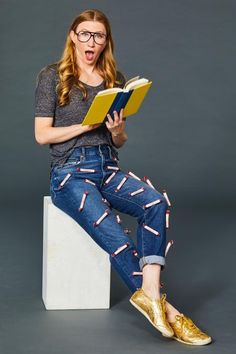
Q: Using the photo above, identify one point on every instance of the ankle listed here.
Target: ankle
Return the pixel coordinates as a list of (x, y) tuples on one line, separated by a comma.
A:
[(171, 312), (152, 292), (170, 317)]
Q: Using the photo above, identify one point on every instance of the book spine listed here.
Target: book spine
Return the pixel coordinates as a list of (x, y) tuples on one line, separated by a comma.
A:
[(115, 103), (125, 100), (120, 102)]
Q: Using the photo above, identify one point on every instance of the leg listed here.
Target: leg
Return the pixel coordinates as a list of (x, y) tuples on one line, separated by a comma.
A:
[(85, 204), (151, 245), (159, 312), (149, 207)]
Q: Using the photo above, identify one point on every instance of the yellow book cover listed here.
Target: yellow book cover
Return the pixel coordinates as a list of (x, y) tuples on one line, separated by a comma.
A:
[(136, 99), (114, 99)]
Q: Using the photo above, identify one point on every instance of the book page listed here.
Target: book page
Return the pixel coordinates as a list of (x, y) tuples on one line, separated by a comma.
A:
[(131, 80), (136, 83), (109, 91)]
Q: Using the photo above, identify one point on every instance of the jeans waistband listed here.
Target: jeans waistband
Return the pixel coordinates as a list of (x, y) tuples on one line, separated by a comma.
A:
[(96, 150)]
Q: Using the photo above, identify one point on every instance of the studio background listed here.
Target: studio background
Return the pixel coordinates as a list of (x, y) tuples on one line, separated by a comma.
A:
[(183, 139)]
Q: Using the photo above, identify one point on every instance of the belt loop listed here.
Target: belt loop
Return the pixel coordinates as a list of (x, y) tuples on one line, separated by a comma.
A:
[(100, 150), (82, 155), (110, 154)]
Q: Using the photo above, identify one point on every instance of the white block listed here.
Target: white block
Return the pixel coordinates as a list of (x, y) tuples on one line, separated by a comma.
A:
[(76, 271)]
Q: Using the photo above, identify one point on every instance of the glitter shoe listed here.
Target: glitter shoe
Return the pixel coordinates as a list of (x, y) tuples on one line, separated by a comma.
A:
[(153, 310), (185, 331)]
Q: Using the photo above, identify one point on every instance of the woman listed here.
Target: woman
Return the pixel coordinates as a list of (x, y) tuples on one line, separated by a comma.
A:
[(86, 181)]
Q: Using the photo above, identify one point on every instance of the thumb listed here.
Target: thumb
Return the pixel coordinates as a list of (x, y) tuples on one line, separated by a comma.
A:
[(93, 126)]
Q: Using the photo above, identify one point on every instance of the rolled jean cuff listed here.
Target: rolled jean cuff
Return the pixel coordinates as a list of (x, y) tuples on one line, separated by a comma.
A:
[(152, 259)]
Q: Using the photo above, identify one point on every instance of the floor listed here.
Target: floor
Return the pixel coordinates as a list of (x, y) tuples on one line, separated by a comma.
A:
[(199, 280)]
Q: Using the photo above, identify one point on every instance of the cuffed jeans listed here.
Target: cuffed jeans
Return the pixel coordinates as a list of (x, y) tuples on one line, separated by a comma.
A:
[(89, 185)]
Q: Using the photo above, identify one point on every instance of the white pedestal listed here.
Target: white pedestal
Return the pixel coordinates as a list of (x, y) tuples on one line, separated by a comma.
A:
[(76, 271)]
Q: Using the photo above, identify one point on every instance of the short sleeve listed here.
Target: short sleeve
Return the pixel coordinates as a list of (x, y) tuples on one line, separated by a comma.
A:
[(45, 93), (120, 77)]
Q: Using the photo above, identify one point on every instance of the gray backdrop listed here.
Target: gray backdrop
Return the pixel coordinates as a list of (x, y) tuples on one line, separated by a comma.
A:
[(183, 135), (182, 138)]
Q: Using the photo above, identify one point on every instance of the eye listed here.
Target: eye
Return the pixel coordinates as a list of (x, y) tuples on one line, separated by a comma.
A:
[(84, 34), (100, 35)]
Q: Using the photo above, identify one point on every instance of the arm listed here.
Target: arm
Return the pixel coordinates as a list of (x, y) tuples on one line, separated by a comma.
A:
[(118, 134), (45, 133), (119, 139), (117, 128)]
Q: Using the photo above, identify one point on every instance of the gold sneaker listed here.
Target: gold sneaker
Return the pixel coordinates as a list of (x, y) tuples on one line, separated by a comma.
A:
[(154, 310), (185, 331)]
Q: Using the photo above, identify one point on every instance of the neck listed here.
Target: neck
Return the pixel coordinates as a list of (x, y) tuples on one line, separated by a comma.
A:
[(87, 69)]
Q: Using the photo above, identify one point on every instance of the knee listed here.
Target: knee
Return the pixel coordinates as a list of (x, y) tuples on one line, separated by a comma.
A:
[(163, 204), (157, 201)]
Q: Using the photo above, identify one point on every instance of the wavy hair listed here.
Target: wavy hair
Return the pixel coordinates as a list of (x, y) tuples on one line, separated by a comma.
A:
[(68, 69)]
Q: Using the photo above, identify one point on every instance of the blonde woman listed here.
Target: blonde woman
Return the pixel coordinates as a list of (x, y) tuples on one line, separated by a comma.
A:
[(86, 181)]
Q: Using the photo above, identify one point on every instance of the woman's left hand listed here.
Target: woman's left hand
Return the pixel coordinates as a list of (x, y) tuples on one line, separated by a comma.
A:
[(116, 126)]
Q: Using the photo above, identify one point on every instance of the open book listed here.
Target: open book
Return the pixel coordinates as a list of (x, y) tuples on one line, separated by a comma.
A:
[(114, 99)]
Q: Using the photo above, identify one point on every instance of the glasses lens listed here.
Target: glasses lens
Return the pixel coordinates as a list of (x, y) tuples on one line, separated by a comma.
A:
[(99, 38), (83, 36)]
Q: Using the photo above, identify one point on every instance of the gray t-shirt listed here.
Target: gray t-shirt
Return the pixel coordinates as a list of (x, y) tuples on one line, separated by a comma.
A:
[(46, 105)]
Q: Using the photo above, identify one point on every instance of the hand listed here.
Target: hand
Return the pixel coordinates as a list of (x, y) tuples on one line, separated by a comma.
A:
[(89, 127), (116, 126)]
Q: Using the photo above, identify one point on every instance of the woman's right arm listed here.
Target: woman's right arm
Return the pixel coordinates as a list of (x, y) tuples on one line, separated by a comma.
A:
[(45, 105), (45, 133)]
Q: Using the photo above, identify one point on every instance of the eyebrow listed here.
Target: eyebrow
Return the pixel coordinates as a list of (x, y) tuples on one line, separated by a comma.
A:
[(85, 29)]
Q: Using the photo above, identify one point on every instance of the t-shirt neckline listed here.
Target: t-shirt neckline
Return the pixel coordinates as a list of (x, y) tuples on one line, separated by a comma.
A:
[(91, 85)]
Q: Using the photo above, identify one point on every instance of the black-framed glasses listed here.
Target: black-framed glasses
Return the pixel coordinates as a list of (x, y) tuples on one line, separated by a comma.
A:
[(98, 37)]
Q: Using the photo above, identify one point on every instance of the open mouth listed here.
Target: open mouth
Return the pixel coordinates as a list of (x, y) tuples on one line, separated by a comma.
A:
[(89, 54)]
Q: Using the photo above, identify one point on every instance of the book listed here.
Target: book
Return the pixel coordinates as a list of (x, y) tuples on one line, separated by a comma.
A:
[(130, 97)]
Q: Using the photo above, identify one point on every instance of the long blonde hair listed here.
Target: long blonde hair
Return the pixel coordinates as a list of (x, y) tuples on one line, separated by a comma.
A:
[(69, 71)]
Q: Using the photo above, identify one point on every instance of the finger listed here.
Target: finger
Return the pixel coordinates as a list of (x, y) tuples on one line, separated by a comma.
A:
[(110, 120), (121, 114), (116, 117), (121, 121)]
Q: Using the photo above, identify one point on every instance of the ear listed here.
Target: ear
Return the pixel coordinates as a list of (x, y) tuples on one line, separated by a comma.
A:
[(73, 36)]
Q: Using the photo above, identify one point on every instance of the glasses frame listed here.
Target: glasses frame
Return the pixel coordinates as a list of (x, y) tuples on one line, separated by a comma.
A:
[(92, 34)]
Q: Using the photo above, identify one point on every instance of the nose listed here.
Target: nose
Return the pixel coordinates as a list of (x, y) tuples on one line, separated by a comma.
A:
[(91, 41)]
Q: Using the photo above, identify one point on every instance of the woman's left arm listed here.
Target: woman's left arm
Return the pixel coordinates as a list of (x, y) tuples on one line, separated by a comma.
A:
[(117, 128)]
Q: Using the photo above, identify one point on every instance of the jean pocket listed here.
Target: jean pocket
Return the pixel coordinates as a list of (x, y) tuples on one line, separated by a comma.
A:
[(60, 181), (68, 164)]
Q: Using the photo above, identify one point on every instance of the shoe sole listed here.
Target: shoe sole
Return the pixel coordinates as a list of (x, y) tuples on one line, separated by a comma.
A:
[(207, 341), (165, 334)]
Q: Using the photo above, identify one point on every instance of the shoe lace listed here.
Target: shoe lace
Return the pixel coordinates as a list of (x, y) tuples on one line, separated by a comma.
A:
[(163, 299), (189, 324), (186, 322)]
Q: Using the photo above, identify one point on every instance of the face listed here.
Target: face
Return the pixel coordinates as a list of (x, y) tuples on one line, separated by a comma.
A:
[(88, 52)]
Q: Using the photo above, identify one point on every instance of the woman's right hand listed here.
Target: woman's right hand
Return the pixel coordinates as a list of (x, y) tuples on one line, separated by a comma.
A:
[(87, 128)]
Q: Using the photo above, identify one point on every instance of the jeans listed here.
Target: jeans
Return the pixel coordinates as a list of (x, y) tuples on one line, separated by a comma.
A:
[(89, 185)]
